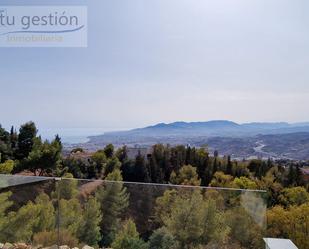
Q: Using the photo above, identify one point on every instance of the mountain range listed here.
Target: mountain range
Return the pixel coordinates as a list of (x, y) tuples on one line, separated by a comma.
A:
[(211, 128), (276, 140)]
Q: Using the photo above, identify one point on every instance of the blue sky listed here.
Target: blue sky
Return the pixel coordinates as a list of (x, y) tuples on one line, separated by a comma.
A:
[(151, 61)]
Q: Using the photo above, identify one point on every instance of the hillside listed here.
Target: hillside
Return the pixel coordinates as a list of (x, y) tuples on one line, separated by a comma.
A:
[(276, 140), (209, 128)]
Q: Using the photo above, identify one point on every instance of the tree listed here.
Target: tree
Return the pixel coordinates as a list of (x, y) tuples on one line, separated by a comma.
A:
[(128, 237), (82, 222), (20, 225), (75, 166), (256, 166), (202, 165), (4, 135), (5, 205), (27, 133), (70, 211), (290, 223), (31, 218), (292, 176), (178, 157), (99, 158), (278, 222), (89, 231), (193, 226), (215, 166), (44, 157), (161, 159), (221, 180), (113, 199), (7, 167), (109, 150), (5, 146), (58, 141), (244, 183), (187, 176), (299, 223), (229, 166), (141, 172), (271, 183), (155, 171), (162, 239), (293, 196), (122, 154), (299, 176), (66, 188), (13, 138), (164, 205), (46, 214), (244, 228), (215, 226), (70, 216), (112, 164)]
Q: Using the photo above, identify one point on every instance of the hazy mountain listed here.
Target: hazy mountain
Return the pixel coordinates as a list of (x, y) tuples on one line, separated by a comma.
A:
[(276, 140), (209, 128)]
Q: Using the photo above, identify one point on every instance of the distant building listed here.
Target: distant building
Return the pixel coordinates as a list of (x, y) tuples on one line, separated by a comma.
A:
[(279, 244)]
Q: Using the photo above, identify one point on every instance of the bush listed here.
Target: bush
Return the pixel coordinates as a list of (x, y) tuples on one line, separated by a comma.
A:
[(7, 167), (51, 238)]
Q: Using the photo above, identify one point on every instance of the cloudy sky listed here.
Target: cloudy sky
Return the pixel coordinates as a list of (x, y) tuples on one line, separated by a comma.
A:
[(151, 61)]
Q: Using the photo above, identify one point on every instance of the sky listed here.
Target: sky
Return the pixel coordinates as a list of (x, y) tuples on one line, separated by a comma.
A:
[(152, 61)]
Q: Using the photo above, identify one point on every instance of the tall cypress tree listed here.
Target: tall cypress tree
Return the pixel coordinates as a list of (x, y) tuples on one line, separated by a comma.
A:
[(229, 166)]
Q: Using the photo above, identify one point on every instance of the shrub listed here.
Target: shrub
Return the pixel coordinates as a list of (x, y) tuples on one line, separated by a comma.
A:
[(51, 238)]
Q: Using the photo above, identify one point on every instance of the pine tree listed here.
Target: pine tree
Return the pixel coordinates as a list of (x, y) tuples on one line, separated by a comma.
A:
[(202, 161), (292, 175), (122, 154), (114, 200), (109, 150), (5, 146), (298, 176), (128, 238), (27, 133), (155, 172), (141, 170), (89, 231)]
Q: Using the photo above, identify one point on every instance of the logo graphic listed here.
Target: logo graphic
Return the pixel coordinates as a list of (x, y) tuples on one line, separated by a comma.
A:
[(43, 26)]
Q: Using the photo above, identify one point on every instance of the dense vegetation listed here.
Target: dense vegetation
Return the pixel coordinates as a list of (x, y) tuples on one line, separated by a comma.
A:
[(213, 216)]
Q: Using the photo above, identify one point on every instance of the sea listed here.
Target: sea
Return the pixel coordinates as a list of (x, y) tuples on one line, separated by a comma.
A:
[(71, 135)]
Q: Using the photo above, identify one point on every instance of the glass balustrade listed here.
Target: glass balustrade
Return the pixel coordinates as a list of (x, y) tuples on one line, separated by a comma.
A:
[(41, 212)]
